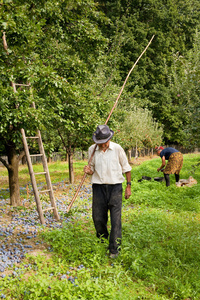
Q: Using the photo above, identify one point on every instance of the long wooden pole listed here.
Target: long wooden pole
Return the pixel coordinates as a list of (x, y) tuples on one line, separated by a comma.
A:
[(84, 176)]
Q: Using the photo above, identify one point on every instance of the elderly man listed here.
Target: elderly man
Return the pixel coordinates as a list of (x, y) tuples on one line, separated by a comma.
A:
[(174, 165), (108, 164)]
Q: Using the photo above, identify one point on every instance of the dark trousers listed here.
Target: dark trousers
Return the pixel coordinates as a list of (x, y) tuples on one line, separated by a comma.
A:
[(108, 197), (168, 180)]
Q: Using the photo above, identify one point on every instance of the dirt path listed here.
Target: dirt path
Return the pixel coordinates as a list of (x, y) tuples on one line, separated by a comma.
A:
[(20, 227)]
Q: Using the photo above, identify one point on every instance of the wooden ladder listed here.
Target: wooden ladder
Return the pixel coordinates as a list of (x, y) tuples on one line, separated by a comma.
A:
[(46, 173), (49, 189)]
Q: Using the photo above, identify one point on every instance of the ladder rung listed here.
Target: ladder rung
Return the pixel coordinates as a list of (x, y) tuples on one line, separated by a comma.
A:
[(36, 154), (50, 208), (32, 137), (40, 173), (44, 191)]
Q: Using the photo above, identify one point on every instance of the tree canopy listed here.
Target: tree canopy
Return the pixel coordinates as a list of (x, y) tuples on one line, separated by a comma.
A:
[(139, 129), (73, 57), (174, 24), (52, 47)]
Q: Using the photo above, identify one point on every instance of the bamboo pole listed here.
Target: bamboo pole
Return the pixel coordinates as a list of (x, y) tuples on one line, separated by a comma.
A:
[(84, 176)]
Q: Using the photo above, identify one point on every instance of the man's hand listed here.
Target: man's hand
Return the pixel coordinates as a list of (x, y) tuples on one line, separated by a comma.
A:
[(128, 191), (158, 169), (88, 170)]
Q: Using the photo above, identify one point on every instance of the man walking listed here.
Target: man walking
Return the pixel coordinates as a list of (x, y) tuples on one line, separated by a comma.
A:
[(107, 167)]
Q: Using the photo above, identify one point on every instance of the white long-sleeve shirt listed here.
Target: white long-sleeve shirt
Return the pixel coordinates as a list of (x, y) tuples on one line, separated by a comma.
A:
[(109, 166)]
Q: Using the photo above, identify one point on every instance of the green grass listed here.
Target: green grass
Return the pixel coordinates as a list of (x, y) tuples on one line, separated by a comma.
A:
[(160, 254), (58, 172)]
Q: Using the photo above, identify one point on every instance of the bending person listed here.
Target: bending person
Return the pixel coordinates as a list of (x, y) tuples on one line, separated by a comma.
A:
[(174, 164)]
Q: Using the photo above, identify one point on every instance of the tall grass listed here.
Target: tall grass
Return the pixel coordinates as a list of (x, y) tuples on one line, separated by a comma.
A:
[(160, 254)]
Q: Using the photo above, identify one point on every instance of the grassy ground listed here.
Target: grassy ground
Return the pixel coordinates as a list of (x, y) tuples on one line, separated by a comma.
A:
[(58, 172), (160, 254)]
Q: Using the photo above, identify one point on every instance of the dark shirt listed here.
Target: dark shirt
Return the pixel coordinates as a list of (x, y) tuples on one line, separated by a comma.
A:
[(167, 152)]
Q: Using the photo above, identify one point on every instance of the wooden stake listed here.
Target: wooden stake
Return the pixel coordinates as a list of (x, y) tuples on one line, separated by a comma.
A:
[(84, 176)]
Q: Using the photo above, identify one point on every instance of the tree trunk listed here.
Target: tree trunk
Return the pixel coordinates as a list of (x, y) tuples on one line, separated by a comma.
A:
[(83, 155), (129, 155), (13, 166), (49, 159), (24, 160), (71, 169), (136, 152)]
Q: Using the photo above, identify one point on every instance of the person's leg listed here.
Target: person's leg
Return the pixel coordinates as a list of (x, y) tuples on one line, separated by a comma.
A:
[(167, 179), (100, 210), (177, 177), (115, 205)]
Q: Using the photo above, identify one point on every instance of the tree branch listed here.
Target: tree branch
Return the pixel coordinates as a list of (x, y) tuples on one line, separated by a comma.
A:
[(63, 141), (4, 42), (4, 162), (22, 153)]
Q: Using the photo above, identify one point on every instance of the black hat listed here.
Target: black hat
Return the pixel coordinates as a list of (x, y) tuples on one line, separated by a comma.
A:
[(102, 134)]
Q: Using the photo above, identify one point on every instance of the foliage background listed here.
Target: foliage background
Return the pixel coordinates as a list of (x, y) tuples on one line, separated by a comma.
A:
[(76, 56)]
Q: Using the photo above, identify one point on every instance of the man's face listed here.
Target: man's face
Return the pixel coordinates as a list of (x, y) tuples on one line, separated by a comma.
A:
[(104, 146)]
